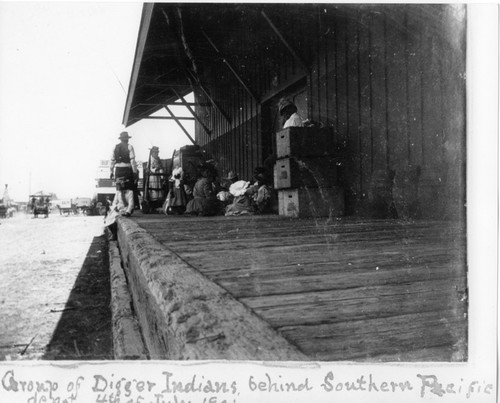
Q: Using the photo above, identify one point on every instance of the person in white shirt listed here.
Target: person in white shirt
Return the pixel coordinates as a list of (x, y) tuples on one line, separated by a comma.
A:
[(124, 169), (242, 201), (288, 111)]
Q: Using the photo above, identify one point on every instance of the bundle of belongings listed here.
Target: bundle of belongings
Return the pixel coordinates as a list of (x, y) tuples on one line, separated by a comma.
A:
[(242, 203)]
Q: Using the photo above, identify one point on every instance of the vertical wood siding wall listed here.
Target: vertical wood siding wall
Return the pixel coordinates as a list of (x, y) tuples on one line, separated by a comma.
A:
[(392, 84), (237, 147), (389, 79)]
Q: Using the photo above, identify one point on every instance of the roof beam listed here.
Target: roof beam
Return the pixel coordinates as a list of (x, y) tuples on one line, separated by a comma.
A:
[(285, 42), (207, 94), (180, 124), (165, 85), (224, 60), (189, 74), (177, 104), (154, 107), (169, 117), (188, 107), (153, 78)]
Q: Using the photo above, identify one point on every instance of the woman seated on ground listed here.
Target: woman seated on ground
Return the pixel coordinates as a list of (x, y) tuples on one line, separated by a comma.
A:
[(241, 193), (119, 207), (261, 192), (250, 199), (204, 200), (223, 196)]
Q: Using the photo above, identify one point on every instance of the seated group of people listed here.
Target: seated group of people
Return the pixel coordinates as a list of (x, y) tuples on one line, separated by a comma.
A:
[(210, 196), (244, 197)]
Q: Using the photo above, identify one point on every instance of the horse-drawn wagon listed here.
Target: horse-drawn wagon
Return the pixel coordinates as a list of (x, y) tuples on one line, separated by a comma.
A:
[(40, 205)]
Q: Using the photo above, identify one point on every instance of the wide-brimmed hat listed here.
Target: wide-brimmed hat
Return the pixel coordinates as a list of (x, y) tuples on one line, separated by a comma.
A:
[(124, 135), (232, 175), (283, 103)]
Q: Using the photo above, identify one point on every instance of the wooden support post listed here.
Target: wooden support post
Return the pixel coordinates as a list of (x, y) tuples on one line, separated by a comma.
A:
[(245, 86), (180, 124), (285, 42), (195, 116)]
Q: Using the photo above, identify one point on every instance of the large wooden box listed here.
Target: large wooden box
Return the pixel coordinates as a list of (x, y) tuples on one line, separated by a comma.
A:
[(306, 172), (311, 202), (305, 142), (188, 158)]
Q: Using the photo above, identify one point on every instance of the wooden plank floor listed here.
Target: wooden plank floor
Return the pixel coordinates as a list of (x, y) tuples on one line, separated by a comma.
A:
[(350, 289)]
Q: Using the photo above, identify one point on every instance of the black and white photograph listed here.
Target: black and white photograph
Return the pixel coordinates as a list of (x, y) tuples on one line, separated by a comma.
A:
[(239, 202)]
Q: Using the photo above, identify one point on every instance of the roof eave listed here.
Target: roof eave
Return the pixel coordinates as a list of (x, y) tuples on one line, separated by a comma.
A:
[(147, 12)]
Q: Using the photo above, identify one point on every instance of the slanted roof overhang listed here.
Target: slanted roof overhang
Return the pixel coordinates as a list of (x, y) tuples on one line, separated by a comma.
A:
[(158, 73), (178, 42), (139, 51)]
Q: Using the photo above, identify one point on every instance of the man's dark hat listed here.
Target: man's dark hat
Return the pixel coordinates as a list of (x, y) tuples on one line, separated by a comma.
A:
[(283, 104)]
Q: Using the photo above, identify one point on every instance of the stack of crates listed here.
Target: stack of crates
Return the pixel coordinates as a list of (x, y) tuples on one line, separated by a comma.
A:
[(307, 173)]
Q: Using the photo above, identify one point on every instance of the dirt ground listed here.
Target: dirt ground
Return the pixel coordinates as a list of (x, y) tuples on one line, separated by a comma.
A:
[(54, 288)]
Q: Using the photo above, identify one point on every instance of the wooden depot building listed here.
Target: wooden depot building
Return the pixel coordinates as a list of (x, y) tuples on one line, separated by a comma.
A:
[(376, 269)]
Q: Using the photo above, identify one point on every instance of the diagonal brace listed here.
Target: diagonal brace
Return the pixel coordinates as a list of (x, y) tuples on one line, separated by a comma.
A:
[(207, 94), (188, 106), (245, 86), (285, 42), (180, 124)]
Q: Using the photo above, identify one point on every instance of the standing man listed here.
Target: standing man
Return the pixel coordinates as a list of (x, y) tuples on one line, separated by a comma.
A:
[(123, 160)]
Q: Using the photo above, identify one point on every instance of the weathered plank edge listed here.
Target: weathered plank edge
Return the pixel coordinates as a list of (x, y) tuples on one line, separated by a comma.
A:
[(127, 339), (184, 315)]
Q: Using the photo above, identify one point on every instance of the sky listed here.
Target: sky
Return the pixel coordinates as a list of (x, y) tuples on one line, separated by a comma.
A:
[(64, 74)]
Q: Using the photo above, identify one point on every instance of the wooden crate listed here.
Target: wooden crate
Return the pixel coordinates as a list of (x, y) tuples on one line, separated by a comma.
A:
[(311, 202), (306, 172), (305, 142)]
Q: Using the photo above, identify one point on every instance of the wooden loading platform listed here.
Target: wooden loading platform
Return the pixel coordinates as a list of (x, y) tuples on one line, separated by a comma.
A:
[(347, 289)]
